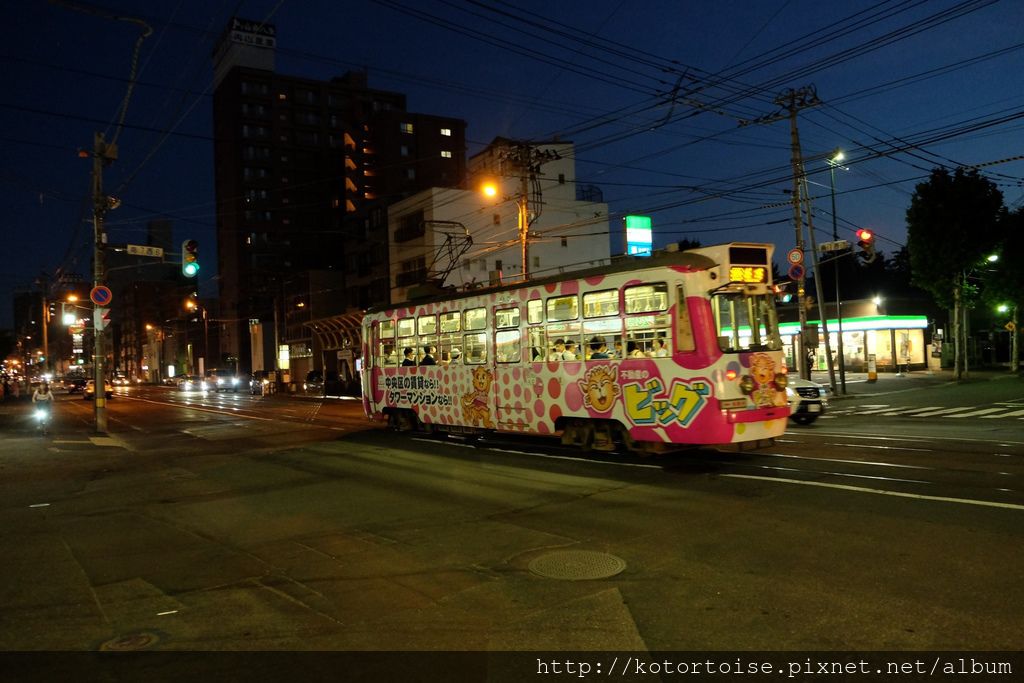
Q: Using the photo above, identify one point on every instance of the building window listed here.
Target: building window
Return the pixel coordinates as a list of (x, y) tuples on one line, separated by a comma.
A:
[(497, 219), (404, 150), (405, 127), (446, 154), (447, 132), (410, 173), (565, 241), (561, 179)]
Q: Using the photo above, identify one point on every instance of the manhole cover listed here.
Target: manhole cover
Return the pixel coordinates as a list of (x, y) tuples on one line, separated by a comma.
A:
[(577, 565), (130, 641)]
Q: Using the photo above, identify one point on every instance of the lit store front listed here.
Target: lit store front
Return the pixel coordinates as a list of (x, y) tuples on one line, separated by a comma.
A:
[(896, 341)]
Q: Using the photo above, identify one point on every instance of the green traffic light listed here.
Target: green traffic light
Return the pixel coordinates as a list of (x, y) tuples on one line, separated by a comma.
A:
[(190, 269)]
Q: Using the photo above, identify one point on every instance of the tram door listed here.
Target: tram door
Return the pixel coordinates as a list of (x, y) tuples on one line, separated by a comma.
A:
[(509, 368), (371, 369)]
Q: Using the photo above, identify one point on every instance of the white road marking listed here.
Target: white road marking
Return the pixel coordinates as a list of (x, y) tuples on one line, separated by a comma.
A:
[(881, 492), (976, 413), (887, 448), (945, 411), (854, 462), (1012, 413)]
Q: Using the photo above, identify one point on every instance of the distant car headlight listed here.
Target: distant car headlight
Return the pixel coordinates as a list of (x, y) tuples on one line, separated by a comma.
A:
[(234, 381)]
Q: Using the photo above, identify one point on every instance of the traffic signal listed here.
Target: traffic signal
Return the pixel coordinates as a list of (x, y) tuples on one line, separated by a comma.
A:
[(866, 242), (189, 258)]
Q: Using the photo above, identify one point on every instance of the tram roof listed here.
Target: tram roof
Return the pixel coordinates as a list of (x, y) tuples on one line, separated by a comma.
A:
[(624, 264)]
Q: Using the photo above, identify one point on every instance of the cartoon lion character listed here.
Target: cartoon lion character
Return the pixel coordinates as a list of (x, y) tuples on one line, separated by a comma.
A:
[(766, 392), (600, 388), (475, 409)]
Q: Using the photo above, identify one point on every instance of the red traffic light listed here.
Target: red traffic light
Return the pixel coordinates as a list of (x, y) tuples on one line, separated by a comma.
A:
[(864, 235)]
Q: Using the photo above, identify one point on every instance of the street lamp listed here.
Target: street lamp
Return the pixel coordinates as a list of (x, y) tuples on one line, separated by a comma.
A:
[(833, 161), (192, 306), (490, 189)]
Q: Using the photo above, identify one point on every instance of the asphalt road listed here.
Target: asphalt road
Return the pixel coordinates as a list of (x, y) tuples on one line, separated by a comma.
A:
[(234, 522)]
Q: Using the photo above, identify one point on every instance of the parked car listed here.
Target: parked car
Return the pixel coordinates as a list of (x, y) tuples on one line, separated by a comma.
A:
[(191, 383), (223, 379), (262, 382), (807, 400), (89, 392), (314, 383)]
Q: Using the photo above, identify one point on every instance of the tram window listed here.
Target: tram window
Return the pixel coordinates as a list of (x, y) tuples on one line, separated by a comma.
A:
[(646, 298), (474, 319), (474, 348), (536, 341), (608, 329), (427, 324), (407, 327), (563, 308), (506, 318), (450, 322), (507, 346), (421, 350), (387, 329), (745, 323), (598, 304), (642, 330), (564, 342), (534, 311), (388, 355), (450, 346)]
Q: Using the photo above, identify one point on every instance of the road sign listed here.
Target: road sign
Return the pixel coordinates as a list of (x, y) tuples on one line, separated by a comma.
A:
[(837, 245), (140, 250), (795, 256), (102, 319), (796, 272), (76, 329), (101, 295)]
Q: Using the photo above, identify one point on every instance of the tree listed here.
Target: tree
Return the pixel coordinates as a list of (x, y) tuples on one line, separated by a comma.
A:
[(1004, 281), (952, 223)]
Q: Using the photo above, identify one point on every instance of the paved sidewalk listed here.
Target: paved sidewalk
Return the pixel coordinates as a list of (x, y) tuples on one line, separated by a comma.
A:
[(858, 386)]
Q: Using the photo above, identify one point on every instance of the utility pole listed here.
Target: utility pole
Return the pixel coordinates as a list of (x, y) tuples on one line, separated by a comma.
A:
[(527, 160), (103, 154), (792, 101)]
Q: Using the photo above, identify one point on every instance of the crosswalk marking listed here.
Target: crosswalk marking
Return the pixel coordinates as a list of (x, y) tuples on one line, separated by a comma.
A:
[(990, 412), (976, 413), (1012, 413), (945, 411)]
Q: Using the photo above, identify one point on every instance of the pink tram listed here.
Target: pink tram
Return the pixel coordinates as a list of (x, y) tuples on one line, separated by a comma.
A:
[(655, 353)]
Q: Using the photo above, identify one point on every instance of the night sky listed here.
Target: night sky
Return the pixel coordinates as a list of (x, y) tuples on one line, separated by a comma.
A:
[(651, 92)]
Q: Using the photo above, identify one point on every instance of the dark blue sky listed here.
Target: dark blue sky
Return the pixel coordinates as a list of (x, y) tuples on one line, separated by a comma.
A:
[(651, 92)]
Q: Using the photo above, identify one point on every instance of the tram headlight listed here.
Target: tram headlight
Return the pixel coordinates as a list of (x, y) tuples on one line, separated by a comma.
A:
[(781, 380), (747, 384)]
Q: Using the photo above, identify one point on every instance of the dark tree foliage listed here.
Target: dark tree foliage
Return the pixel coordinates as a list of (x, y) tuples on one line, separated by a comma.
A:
[(952, 223), (1003, 281)]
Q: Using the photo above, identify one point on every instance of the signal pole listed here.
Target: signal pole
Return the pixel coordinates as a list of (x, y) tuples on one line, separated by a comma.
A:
[(103, 153)]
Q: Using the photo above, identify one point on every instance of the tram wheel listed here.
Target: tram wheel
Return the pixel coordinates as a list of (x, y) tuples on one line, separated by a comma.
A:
[(406, 421), (579, 433)]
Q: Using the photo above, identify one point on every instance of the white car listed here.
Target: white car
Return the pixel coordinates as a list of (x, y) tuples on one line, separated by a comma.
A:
[(807, 400)]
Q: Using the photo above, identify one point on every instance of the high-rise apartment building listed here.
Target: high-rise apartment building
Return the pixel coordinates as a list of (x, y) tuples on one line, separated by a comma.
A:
[(304, 172)]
